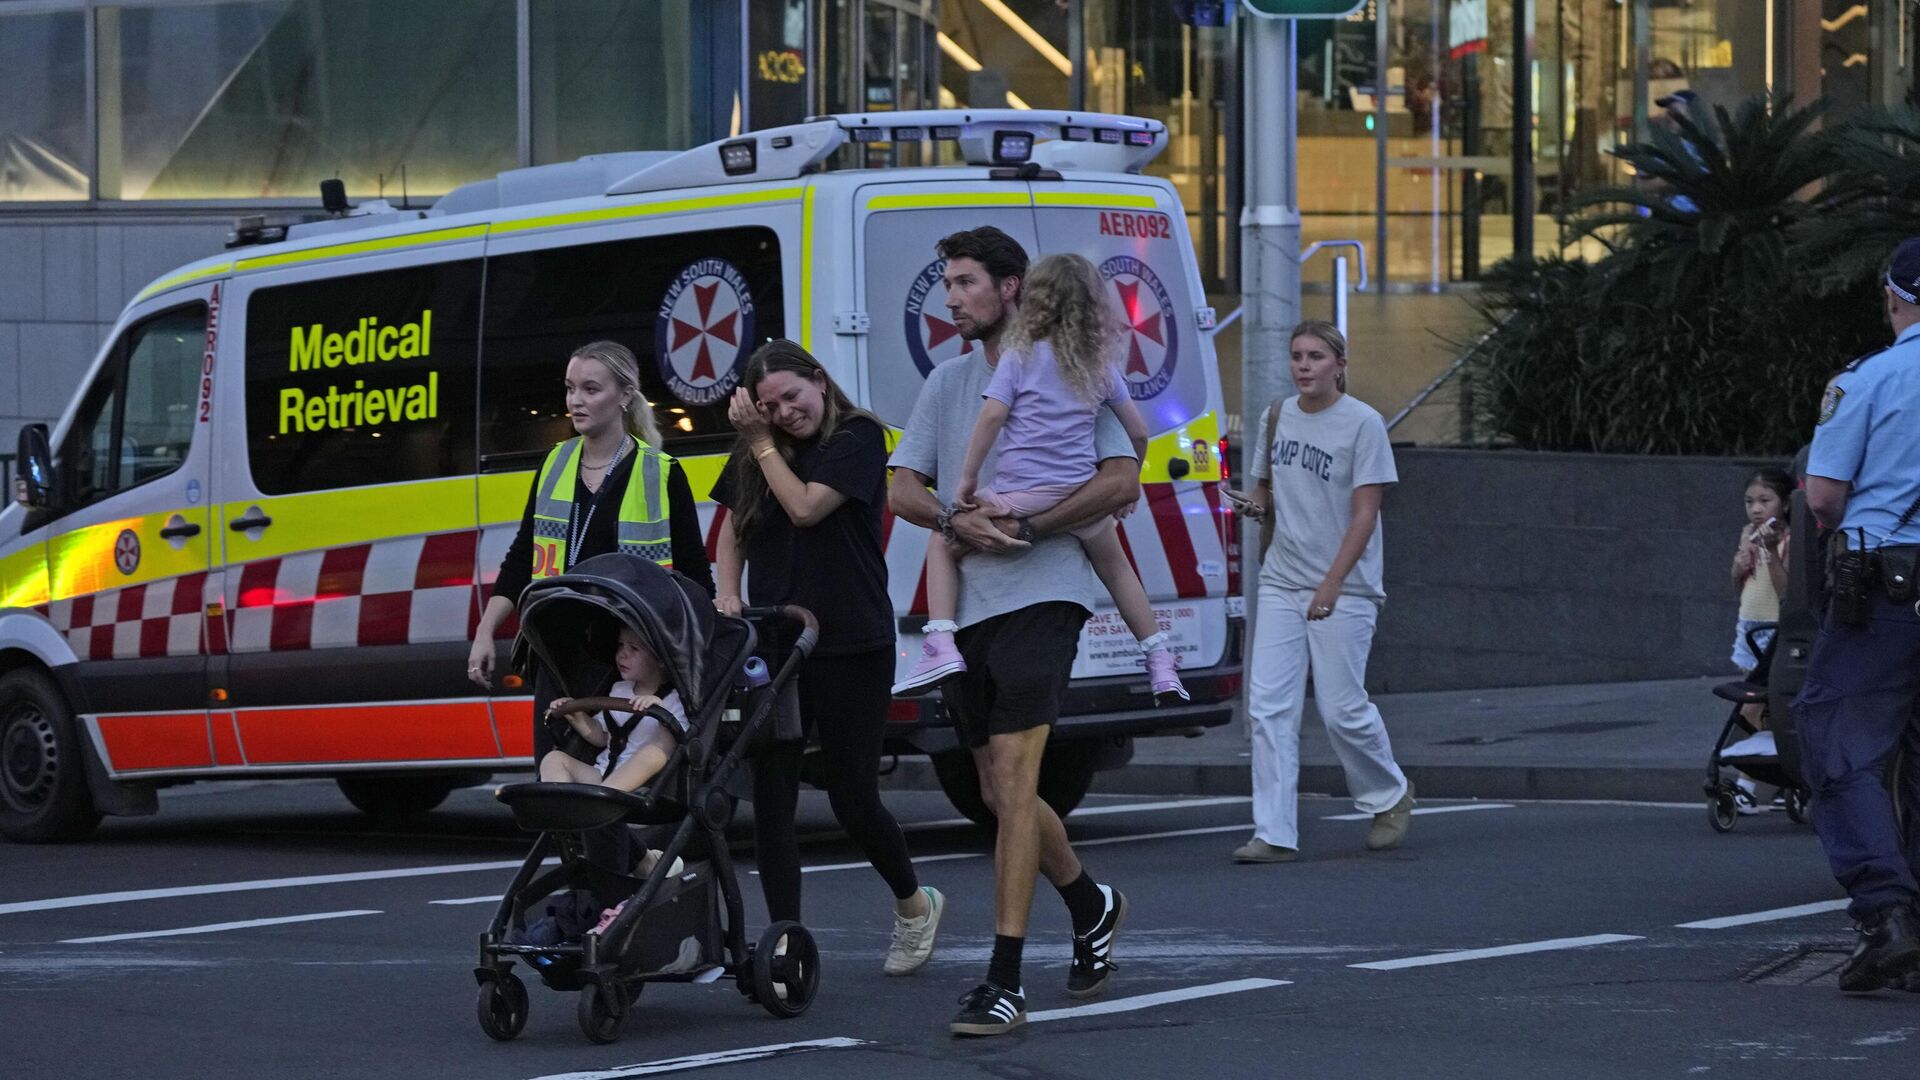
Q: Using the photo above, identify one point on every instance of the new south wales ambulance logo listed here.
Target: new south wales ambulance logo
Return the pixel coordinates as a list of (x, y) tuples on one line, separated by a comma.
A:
[(931, 338), (1151, 346), (126, 551), (704, 331)]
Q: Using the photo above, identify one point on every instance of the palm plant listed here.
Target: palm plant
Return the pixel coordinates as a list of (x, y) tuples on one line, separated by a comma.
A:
[(1872, 204)]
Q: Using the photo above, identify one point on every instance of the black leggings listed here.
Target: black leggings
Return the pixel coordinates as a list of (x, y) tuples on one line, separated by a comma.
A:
[(844, 699)]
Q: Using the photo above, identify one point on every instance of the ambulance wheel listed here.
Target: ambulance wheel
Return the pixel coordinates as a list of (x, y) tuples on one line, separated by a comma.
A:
[(602, 1010), (503, 1007), (1722, 812), (1799, 805), (43, 767), (391, 797), (1065, 775), (784, 982)]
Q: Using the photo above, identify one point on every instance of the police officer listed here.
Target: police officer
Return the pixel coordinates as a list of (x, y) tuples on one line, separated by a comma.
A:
[(1863, 479)]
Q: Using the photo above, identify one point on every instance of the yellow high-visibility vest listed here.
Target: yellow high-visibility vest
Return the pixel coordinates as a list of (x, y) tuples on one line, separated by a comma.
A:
[(644, 529)]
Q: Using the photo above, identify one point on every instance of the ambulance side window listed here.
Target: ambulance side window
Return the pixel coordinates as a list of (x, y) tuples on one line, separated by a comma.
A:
[(135, 423), (692, 307), (363, 378)]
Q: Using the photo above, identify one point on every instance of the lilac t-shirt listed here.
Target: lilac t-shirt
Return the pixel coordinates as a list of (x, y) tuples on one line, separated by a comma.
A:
[(1048, 438)]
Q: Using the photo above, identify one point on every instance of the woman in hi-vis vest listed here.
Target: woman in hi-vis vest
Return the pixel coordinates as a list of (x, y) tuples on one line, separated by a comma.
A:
[(607, 489)]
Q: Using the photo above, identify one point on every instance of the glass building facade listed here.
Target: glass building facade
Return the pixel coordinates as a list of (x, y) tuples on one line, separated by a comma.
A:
[(1410, 110)]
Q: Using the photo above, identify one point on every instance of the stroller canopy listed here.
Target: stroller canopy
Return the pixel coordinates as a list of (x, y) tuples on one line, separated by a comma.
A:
[(571, 622)]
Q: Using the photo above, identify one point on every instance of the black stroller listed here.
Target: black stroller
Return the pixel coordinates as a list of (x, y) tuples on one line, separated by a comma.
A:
[(680, 923), (1748, 749)]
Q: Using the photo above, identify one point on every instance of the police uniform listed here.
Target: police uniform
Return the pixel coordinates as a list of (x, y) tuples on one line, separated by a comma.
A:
[(1857, 703)]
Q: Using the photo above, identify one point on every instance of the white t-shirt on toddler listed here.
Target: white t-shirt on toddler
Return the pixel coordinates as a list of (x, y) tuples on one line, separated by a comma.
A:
[(646, 731)]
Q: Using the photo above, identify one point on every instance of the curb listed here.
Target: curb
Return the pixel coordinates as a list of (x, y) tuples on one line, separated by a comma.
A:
[(1632, 784)]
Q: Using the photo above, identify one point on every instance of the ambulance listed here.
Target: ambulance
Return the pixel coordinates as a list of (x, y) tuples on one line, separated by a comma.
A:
[(257, 541)]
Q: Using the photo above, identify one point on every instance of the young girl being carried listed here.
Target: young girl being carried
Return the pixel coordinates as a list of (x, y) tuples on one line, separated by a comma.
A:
[(1046, 394)]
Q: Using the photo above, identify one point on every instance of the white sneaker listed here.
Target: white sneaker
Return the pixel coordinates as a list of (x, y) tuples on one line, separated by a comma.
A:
[(913, 938)]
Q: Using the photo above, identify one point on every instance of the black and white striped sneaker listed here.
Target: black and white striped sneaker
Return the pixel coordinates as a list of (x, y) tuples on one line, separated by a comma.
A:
[(990, 1010), (1093, 965)]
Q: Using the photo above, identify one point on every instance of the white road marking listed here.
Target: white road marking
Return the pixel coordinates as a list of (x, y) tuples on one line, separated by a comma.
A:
[(1503, 950), (1090, 811), (1418, 810), (1796, 912), (214, 928), (468, 900), (825, 867), (1161, 835), (701, 1061), (94, 899), (1148, 1001)]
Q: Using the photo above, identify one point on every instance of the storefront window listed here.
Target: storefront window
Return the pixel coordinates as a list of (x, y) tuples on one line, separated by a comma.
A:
[(266, 99), (43, 107), (613, 75)]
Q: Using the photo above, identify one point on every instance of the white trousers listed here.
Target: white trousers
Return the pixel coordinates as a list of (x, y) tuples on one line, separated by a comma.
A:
[(1285, 645)]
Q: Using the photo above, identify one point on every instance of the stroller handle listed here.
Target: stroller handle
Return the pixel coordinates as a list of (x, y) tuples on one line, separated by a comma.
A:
[(809, 636)]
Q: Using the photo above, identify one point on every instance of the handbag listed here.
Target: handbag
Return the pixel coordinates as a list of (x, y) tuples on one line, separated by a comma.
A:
[(1266, 521)]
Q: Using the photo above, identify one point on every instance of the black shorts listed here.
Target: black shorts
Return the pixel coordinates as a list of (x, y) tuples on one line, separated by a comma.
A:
[(1018, 668)]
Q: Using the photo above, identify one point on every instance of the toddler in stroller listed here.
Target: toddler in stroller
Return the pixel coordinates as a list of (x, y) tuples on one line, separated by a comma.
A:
[(677, 917), (1746, 752)]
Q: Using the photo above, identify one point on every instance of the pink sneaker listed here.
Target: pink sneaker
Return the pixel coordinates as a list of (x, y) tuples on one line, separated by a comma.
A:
[(939, 661), (607, 917), (1163, 668)]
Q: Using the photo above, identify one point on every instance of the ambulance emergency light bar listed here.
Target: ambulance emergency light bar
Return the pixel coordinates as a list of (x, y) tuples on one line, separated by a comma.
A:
[(1050, 138)]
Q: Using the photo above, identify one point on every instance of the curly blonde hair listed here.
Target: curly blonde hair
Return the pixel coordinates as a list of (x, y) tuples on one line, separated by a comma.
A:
[(1064, 303)]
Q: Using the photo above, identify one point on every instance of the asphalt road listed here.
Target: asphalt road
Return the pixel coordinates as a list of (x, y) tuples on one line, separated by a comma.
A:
[(1535, 939)]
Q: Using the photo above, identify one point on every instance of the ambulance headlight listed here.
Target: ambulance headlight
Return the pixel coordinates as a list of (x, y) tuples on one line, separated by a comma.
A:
[(737, 158), (1012, 147)]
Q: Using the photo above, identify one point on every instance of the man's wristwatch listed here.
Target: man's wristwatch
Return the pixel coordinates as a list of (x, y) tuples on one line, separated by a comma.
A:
[(1025, 534), (943, 521)]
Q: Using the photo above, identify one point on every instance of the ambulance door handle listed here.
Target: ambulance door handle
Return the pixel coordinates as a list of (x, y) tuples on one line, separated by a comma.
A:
[(180, 531), (254, 519)]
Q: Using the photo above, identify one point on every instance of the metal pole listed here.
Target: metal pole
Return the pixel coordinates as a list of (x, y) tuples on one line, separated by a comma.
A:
[(1522, 191), (1642, 60), (1380, 46), (1077, 52), (1340, 293), (1270, 239)]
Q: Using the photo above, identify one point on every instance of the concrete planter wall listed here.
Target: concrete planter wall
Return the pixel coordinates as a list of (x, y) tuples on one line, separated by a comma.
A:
[(1509, 568)]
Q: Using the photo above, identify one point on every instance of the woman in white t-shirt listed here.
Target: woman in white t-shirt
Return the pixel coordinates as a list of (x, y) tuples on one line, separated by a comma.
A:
[(1323, 463)]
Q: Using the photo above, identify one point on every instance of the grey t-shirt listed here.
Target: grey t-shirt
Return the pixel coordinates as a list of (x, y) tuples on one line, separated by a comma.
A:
[(935, 445), (1316, 461)]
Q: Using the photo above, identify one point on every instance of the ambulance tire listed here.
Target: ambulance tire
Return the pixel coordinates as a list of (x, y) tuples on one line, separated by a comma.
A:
[(1065, 775), (391, 797), (43, 766)]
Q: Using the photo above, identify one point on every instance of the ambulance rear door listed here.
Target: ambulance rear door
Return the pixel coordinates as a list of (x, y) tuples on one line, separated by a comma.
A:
[(911, 331), (129, 553), (1135, 233), (347, 492)]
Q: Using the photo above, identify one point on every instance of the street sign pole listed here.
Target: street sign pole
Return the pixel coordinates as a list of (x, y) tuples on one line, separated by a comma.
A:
[(1269, 245)]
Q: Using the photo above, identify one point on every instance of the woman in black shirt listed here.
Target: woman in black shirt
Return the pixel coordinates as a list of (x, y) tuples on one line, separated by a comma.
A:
[(805, 487), (615, 425)]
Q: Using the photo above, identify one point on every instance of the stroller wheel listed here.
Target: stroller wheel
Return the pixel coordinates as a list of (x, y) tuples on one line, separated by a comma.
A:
[(602, 1009), (785, 979), (1722, 811), (503, 1007), (1799, 803)]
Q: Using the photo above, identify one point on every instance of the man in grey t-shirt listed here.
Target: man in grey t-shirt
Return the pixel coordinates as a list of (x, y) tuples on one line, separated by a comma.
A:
[(1024, 596)]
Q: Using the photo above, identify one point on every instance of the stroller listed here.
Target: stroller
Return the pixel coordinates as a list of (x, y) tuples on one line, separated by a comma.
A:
[(1748, 749), (682, 920)]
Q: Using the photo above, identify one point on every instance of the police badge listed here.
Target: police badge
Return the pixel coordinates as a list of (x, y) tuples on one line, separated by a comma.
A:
[(1830, 402)]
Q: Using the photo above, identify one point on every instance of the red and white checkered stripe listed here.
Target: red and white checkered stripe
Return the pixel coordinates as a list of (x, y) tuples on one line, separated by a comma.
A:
[(411, 590), (155, 618)]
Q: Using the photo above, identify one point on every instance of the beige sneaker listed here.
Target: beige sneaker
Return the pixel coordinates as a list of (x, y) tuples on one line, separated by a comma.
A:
[(1390, 826), (1257, 850), (913, 938)]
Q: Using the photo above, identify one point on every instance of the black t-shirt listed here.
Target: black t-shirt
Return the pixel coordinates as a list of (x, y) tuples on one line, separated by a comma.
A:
[(838, 568)]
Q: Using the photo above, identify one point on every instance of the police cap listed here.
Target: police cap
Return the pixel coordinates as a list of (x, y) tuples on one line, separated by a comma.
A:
[(1903, 271)]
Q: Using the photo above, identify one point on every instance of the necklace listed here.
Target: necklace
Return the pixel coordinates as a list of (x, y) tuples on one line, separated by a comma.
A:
[(580, 534)]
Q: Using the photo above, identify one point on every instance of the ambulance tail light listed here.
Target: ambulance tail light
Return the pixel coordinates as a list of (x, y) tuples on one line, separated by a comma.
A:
[(903, 712), (1226, 463)]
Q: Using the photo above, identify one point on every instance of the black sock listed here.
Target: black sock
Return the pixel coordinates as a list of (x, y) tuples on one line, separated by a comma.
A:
[(1003, 970), (1085, 902)]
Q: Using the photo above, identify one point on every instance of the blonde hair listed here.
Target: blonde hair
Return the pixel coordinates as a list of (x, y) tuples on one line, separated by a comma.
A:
[(1329, 333), (620, 361), (1064, 303)]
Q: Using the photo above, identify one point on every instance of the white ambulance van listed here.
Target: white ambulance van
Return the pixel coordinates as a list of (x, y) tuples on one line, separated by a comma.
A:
[(257, 541)]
